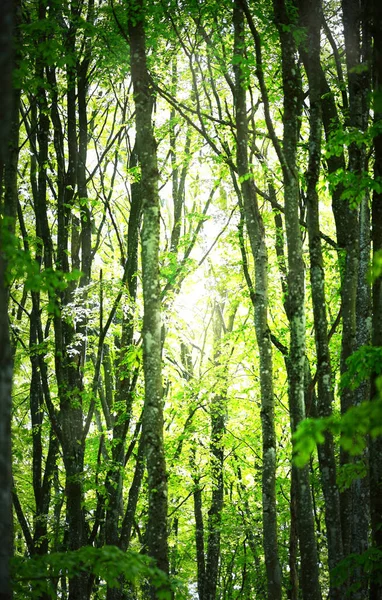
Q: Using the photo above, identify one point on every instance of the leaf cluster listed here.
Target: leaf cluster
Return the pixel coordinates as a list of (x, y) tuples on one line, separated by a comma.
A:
[(108, 563), (353, 428)]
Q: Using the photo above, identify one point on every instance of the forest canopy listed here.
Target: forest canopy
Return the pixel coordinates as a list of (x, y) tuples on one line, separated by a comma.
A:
[(191, 299)]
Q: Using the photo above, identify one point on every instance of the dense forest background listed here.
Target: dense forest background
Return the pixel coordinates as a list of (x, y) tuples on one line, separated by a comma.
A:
[(191, 265)]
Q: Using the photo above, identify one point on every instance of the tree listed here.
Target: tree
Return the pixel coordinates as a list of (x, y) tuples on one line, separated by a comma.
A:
[(310, 19), (296, 361), (152, 333), (259, 296), (375, 445), (6, 529)]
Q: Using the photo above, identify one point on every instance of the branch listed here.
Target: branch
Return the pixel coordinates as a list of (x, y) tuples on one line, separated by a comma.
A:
[(23, 522)]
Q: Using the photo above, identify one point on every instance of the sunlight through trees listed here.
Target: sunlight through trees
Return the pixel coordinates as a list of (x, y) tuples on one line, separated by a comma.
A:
[(191, 300)]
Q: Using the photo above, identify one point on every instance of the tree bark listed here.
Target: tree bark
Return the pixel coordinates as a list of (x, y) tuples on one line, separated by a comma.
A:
[(6, 363), (152, 344), (6, 527), (348, 225), (311, 18), (291, 123), (256, 233), (199, 536), (376, 444), (125, 380), (218, 418)]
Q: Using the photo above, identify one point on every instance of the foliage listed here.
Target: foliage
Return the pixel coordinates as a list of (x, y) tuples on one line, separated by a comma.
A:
[(367, 566), (376, 267), (353, 428), (361, 365), (108, 564)]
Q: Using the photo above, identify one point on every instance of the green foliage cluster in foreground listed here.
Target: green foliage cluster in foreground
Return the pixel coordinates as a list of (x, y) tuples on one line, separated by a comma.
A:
[(352, 428), (40, 575)]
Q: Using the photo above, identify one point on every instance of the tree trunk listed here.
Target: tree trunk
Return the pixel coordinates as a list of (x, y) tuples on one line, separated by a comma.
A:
[(311, 18), (6, 527), (218, 418), (256, 233), (199, 536), (152, 344), (124, 397), (348, 230), (376, 444), (6, 366), (291, 120)]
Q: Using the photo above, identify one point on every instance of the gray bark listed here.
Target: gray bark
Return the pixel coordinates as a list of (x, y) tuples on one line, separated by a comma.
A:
[(218, 417), (153, 409), (291, 119), (256, 233), (310, 18)]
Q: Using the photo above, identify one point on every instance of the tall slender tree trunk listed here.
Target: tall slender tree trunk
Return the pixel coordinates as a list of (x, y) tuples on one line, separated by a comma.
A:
[(69, 372), (376, 444), (152, 345), (6, 528), (124, 397), (68, 423), (311, 18), (6, 366), (199, 534), (218, 409), (296, 300), (256, 233), (348, 220)]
